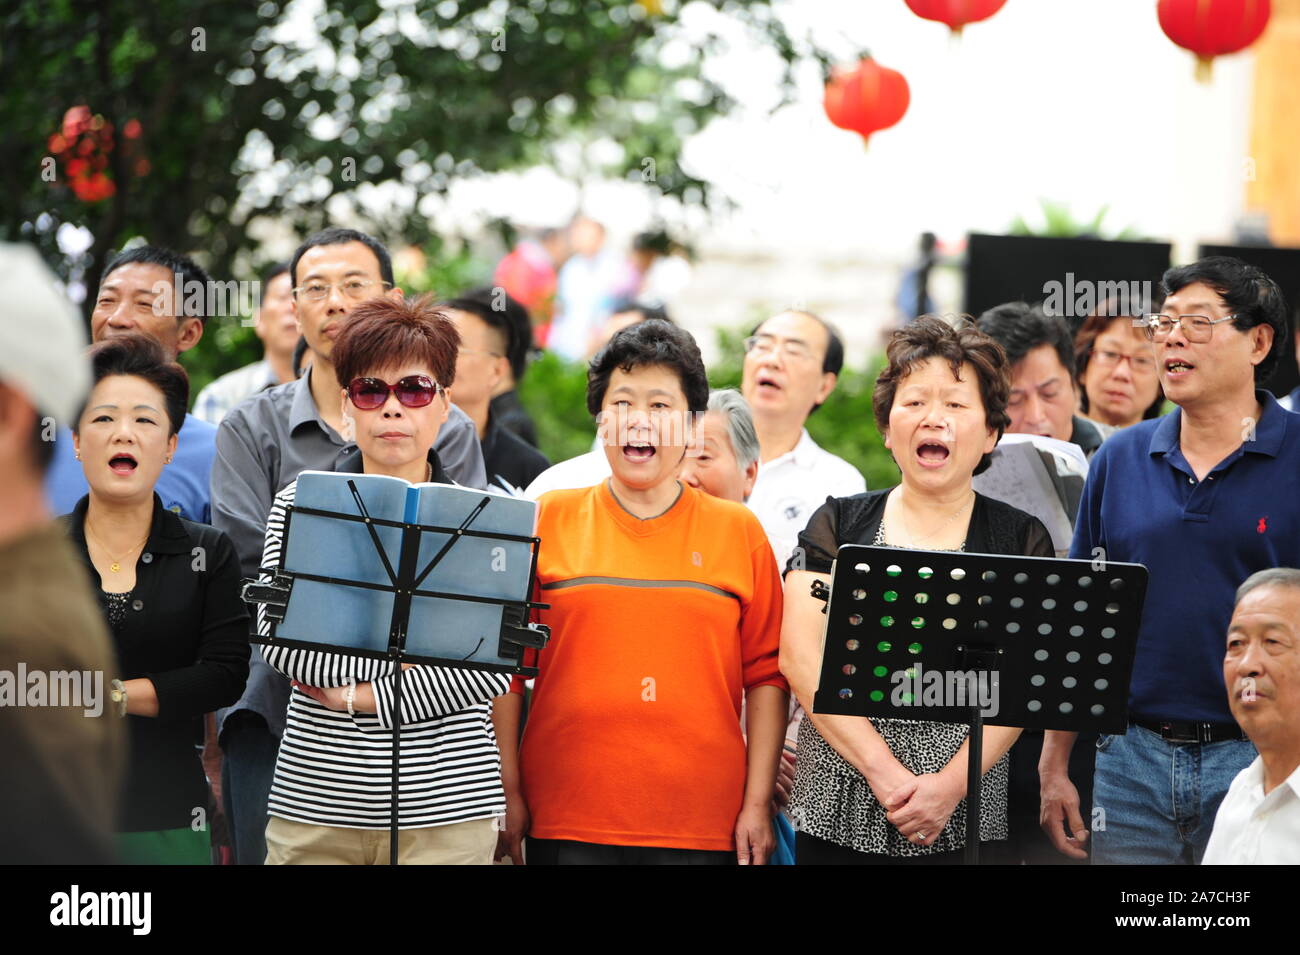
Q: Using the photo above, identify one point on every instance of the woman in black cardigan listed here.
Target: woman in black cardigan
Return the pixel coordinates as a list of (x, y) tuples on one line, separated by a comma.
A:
[(882, 791), (170, 591)]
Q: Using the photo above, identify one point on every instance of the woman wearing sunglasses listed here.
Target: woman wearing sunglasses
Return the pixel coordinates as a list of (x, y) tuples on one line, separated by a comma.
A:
[(330, 800)]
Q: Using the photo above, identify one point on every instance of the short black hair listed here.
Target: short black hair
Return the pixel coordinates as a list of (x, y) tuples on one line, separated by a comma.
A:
[(341, 237), (658, 242), (1020, 328), (140, 355), (191, 273), (646, 312), (510, 319), (1254, 298), (273, 272), (650, 343)]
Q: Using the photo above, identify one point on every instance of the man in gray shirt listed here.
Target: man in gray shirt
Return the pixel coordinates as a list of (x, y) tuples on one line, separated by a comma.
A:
[(263, 445)]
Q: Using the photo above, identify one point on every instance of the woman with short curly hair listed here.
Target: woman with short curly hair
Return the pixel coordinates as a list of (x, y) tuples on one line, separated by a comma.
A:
[(879, 791)]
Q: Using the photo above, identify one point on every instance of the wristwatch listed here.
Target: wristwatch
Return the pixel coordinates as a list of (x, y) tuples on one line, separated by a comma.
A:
[(117, 694)]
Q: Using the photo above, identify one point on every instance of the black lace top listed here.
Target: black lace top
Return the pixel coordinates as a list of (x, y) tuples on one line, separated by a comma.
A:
[(831, 799), (115, 607)]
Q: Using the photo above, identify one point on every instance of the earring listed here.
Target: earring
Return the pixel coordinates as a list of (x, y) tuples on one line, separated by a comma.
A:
[(78, 454), (169, 460)]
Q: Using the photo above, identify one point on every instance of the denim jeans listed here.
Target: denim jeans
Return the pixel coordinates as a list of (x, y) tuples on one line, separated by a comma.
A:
[(1154, 802), (246, 774)]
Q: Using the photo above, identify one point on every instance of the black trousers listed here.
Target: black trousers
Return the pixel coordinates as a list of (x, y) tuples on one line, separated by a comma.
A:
[(809, 850), (562, 852)]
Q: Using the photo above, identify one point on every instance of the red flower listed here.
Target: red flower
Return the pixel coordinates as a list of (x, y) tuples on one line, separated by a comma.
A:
[(132, 129), (94, 188), (75, 120)]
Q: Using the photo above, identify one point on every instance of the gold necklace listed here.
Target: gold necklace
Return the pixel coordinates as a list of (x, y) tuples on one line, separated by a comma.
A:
[(116, 564)]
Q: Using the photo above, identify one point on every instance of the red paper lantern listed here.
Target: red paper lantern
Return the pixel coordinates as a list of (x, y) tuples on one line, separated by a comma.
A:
[(955, 13), (867, 98), (1211, 28)]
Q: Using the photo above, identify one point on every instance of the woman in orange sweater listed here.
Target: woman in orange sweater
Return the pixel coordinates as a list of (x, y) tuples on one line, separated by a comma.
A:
[(665, 611)]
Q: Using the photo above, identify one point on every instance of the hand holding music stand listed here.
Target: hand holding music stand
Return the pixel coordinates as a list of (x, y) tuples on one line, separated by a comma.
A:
[(1032, 642), (404, 577)]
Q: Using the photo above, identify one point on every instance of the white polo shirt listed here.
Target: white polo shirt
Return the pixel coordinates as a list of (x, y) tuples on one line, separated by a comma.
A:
[(1254, 829), (789, 488)]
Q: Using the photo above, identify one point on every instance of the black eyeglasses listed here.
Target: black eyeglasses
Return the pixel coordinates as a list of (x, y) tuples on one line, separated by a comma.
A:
[(413, 391)]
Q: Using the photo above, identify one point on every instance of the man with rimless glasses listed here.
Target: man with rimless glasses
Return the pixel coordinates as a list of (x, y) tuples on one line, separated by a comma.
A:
[(792, 362), (263, 445), (1204, 498)]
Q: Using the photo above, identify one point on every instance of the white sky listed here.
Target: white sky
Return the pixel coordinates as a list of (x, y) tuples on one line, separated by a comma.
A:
[(1084, 101)]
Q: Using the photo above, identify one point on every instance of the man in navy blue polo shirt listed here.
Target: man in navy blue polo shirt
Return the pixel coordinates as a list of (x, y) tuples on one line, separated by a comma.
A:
[(1204, 497), (137, 292)]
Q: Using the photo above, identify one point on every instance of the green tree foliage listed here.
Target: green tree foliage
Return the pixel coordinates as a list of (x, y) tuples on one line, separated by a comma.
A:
[(257, 115), (244, 112)]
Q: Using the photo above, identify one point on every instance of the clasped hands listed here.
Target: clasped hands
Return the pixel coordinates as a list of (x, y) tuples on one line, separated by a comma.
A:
[(917, 805)]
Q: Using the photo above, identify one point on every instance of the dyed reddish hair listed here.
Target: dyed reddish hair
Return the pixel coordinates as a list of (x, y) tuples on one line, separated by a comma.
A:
[(384, 333)]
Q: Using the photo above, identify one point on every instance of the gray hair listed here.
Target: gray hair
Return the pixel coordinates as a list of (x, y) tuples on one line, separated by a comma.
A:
[(740, 424), (1273, 577)]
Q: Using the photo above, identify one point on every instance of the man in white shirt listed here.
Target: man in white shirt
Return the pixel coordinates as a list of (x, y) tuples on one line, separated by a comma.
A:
[(792, 362), (1259, 820)]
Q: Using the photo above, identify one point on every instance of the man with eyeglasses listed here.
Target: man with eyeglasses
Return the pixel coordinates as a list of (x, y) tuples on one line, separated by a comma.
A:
[(263, 445), (1204, 498), (792, 362)]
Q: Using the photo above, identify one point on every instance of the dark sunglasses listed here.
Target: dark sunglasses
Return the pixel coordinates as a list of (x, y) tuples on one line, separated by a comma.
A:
[(413, 391)]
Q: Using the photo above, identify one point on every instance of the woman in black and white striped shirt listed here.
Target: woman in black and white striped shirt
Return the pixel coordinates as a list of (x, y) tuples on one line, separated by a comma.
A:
[(330, 800)]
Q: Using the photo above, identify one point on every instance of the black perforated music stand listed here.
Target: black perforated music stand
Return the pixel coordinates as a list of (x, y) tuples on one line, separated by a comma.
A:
[(952, 637)]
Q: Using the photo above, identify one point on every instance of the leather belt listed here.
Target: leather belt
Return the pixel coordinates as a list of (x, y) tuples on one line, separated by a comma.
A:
[(1182, 731)]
